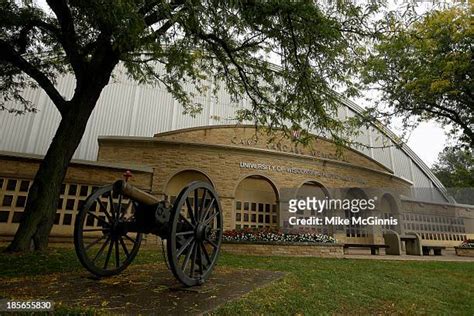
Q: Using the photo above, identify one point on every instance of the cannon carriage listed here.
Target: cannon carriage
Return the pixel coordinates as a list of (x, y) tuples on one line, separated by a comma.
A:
[(110, 225)]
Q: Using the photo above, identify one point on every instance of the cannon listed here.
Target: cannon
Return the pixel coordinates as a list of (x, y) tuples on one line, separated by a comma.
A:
[(109, 228)]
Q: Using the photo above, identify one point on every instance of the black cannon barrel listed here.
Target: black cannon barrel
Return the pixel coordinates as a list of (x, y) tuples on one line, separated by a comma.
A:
[(134, 193)]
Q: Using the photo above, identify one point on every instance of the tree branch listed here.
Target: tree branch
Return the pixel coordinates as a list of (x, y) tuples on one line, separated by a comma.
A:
[(156, 16), (68, 36), (8, 54), (22, 40)]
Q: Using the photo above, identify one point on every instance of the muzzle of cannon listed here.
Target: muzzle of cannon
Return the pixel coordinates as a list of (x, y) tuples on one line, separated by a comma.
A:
[(137, 195), (111, 223)]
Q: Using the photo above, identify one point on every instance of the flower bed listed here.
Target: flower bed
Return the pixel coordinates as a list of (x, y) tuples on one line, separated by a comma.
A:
[(467, 244), (275, 236), (466, 249)]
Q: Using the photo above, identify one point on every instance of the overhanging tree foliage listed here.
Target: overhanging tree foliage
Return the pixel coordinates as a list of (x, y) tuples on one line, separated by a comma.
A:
[(455, 169), (425, 70), (196, 41)]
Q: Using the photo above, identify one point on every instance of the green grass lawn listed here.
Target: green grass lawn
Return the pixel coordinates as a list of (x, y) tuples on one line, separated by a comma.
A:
[(314, 285)]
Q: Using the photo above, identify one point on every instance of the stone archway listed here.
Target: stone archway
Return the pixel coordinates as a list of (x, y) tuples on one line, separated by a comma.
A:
[(355, 233), (256, 203), (314, 189), (182, 178), (388, 208)]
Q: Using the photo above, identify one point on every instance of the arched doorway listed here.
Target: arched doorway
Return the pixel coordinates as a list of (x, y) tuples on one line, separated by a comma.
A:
[(256, 203), (180, 180), (355, 232), (388, 209), (313, 189)]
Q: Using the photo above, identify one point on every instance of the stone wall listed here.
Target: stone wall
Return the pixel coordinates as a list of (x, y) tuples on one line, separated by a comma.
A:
[(293, 250), (16, 175), (439, 224), (221, 164), (247, 136), (465, 252)]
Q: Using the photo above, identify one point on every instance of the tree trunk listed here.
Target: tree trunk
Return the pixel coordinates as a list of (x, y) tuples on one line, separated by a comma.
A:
[(42, 202)]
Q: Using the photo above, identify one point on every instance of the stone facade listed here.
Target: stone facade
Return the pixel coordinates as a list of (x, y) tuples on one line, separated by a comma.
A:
[(465, 252), (295, 250), (240, 162), (225, 162), (16, 175)]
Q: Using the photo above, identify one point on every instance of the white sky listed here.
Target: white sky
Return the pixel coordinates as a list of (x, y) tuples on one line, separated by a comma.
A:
[(427, 141)]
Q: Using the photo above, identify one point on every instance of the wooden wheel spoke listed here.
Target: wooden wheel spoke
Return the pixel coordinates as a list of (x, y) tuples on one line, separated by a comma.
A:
[(193, 260), (112, 206), (117, 254), (129, 238), (197, 215), (96, 229), (124, 247), (101, 250), (95, 242), (185, 233), (184, 246), (203, 204), (208, 209), (119, 206), (104, 209), (181, 216), (201, 263), (210, 241), (210, 218), (109, 253), (98, 218), (187, 257), (190, 212), (206, 255)]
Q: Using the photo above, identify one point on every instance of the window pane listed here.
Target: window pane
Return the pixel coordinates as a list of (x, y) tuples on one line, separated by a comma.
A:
[(67, 220), (56, 218), (24, 186), (17, 217), (84, 190), (7, 200), (11, 185), (4, 216), (20, 201)]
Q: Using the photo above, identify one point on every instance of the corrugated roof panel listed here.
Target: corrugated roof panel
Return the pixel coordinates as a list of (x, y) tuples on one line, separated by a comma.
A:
[(130, 110)]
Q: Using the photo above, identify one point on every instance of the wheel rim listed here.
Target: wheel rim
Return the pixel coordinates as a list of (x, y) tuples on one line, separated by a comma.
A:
[(196, 234), (102, 244)]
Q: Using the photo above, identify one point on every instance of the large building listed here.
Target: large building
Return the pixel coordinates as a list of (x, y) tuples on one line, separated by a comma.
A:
[(142, 128)]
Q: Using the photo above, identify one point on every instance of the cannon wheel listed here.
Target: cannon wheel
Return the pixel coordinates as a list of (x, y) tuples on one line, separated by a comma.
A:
[(195, 233), (102, 245)]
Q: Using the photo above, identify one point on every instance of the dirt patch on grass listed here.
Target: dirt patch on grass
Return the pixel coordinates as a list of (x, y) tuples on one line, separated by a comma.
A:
[(141, 289)]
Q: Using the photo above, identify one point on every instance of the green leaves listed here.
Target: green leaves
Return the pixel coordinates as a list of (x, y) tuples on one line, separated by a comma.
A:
[(425, 69), (455, 169), (231, 45)]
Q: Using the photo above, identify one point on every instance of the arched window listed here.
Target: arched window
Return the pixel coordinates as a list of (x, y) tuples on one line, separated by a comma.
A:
[(313, 189), (256, 203), (180, 180)]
